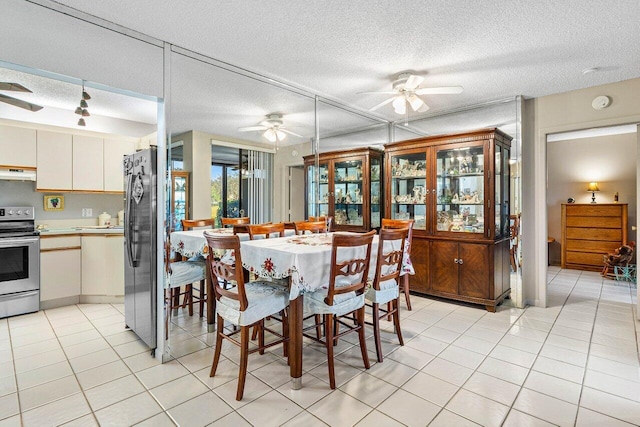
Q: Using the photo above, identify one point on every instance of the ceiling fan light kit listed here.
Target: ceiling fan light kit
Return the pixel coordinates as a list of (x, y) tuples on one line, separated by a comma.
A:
[(405, 91), (273, 127)]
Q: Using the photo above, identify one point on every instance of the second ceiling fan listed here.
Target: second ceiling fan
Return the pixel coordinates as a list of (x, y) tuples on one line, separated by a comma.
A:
[(406, 90), (273, 127)]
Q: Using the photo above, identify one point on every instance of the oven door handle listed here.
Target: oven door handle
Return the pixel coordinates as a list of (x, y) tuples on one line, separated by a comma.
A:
[(129, 231), (13, 241)]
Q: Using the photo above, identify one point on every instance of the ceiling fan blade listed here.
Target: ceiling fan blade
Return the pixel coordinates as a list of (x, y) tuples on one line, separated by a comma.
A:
[(13, 86), (383, 103), (384, 92), (290, 133), (400, 105), (413, 81), (19, 103), (252, 128), (444, 90), (415, 102), (423, 108)]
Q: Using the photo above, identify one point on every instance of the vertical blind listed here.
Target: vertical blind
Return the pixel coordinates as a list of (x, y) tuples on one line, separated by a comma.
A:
[(259, 181)]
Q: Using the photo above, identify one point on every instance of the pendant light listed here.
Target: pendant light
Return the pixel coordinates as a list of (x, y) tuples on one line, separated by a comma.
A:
[(83, 108)]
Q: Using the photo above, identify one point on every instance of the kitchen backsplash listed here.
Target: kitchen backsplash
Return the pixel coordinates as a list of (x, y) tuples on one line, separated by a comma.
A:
[(19, 193)]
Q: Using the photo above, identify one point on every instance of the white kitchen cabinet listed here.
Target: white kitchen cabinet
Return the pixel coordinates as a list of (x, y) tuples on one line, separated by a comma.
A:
[(103, 265), (60, 267), (54, 161), (114, 151), (88, 163), (17, 147)]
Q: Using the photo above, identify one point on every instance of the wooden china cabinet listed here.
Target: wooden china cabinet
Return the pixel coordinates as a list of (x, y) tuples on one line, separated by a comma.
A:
[(350, 184), (456, 188)]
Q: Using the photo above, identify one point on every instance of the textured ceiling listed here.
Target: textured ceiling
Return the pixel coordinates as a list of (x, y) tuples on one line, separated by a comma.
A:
[(494, 49)]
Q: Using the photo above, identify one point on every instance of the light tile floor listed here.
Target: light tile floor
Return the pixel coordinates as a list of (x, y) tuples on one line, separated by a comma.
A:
[(574, 363)]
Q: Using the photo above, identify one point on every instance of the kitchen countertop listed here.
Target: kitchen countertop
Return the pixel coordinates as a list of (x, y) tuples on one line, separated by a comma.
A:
[(81, 230)]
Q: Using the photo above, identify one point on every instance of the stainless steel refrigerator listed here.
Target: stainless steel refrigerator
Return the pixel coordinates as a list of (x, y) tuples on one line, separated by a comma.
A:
[(140, 244)]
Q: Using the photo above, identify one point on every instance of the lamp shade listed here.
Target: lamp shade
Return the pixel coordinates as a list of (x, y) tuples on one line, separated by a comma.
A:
[(593, 186)]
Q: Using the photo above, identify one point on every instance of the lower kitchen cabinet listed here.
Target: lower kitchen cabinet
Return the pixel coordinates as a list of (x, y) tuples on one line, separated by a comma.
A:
[(60, 267), (103, 264)]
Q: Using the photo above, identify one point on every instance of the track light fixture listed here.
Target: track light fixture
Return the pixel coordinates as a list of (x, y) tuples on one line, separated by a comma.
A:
[(81, 122)]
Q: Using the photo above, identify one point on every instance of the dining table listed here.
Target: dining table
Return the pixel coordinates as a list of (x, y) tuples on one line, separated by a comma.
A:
[(304, 260)]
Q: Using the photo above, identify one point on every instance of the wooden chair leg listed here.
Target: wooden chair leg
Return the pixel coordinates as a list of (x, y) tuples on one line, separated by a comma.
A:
[(216, 354), (285, 333), (376, 330), (260, 336), (318, 320), (406, 291), (167, 316), (245, 332), (363, 343), (203, 295), (175, 298), (254, 334), (396, 321), (328, 331)]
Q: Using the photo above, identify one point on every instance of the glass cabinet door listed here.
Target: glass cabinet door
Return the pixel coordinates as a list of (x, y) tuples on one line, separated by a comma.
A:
[(408, 188), (348, 194), (375, 178), (460, 190), (318, 204)]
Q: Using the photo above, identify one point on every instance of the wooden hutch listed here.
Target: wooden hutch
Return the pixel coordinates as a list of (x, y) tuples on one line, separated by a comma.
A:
[(456, 188), (350, 188)]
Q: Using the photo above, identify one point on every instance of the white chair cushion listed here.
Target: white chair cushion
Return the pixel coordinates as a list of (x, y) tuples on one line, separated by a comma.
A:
[(342, 303), (264, 299), (389, 290), (186, 272)]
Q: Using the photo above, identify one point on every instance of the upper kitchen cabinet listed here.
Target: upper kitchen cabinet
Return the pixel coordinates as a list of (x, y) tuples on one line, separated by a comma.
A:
[(17, 147), (88, 163), (54, 164), (114, 151), (456, 188), (350, 187)]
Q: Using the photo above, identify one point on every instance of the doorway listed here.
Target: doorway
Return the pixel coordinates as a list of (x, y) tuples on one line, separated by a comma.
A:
[(604, 155)]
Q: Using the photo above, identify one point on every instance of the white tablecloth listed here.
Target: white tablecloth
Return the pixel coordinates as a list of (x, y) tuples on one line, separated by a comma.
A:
[(306, 259)]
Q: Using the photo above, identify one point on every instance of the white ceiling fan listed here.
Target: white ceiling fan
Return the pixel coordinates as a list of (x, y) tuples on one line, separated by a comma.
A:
[(406, 90), (273, 127)]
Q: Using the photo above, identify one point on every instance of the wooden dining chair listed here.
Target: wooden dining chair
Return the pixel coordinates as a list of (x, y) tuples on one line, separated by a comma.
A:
[(386, 287), (245, 305), (182, 273), (327, 219), (190, 224), (402, 223), (343, 296), (302, 227), (227, 221), (266, 230)]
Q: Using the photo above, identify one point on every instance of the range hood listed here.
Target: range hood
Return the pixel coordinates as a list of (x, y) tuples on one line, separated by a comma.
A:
[(11, 174)]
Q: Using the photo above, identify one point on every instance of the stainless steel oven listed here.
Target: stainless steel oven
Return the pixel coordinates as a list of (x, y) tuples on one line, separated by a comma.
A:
[(19, 262)]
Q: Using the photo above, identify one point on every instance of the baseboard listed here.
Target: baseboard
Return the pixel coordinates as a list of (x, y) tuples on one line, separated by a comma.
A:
[(59, 302), (101, 299)]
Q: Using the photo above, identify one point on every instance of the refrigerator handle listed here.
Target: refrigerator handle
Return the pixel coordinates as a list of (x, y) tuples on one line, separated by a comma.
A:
[(129, 233)]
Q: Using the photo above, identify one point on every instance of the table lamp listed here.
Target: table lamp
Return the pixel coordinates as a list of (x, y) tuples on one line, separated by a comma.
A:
[(593, 187)]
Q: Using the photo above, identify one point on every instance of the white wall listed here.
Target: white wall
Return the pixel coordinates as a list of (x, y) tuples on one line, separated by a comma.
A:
[(285, 157), (552, 114), (608, 160)]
